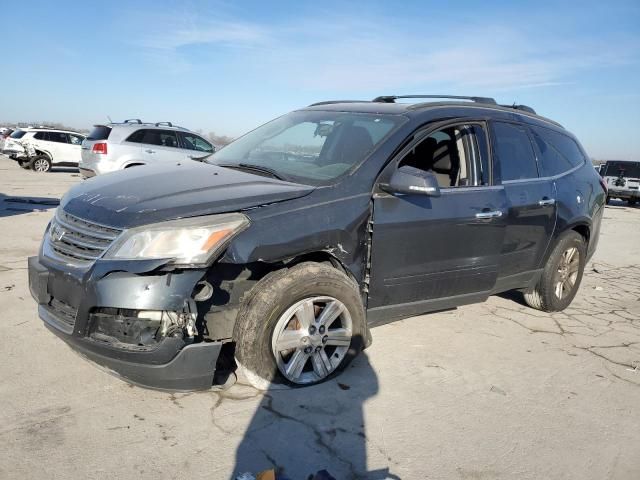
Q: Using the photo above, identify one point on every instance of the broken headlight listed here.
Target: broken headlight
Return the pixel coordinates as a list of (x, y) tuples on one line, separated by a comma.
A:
[(188, 242)]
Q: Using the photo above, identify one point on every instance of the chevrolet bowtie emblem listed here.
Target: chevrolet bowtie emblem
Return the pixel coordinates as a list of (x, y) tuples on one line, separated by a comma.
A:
[(57, 233)]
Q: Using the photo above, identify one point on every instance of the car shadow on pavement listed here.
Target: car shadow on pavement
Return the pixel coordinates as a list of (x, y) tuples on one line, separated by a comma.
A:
[(298, 432), (10, 205)]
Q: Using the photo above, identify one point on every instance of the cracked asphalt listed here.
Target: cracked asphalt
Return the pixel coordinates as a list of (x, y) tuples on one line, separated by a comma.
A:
[(489, 391)]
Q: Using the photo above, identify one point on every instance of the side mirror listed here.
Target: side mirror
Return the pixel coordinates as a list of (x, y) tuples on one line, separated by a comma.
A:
[(411, 180)]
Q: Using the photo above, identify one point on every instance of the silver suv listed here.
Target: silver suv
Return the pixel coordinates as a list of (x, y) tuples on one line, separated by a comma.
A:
[(622, 179), (116, 146)]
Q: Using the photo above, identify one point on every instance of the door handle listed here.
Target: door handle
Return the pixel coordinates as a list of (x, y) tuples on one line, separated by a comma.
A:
[(547, 201), (493, 214), (148, 150)]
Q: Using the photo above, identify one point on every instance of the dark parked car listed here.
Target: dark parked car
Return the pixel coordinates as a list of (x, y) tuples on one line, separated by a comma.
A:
[(292, 241)]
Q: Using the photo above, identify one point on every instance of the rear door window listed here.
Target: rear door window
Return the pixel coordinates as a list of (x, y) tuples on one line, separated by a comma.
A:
[(161, 138), (58, 137), (557, 153), (41, 136), (513, 152)]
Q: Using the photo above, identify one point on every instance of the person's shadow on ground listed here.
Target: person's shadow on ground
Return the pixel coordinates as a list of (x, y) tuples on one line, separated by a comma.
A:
[(300, 431)]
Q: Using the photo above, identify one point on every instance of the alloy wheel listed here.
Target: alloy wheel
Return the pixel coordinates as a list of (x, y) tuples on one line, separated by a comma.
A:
[(41, 165), (311, 338), (567, 273)]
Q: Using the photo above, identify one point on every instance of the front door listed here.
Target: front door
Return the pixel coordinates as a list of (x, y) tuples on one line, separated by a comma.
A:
[(430, 253)]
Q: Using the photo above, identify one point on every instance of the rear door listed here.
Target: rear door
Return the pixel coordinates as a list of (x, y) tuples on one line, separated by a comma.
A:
[(532, 202), (48, 142), (436, 252), (58, 144), (160, 145)]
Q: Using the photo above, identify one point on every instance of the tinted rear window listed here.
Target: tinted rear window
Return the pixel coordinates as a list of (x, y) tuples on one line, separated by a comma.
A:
[(624, 169), (99, 133), (18, 134), (514, 151)]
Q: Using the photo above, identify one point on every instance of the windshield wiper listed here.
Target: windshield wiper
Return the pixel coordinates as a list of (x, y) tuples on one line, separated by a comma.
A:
[(255, 168)]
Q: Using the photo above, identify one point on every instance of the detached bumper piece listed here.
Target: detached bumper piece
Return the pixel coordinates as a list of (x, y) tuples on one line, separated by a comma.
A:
[(146, 347)]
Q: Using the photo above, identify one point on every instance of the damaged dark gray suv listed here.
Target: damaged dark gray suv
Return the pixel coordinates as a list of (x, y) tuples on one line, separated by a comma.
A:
[(290, 243)]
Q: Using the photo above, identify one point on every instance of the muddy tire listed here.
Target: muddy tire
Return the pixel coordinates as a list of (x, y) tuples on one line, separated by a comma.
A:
[(40, 164), (286, 331), (561, 277)]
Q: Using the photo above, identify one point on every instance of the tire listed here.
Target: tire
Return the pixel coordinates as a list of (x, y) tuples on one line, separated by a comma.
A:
[(547, 295), (631, 201), (40, 164), (271, 331), (608, 200)]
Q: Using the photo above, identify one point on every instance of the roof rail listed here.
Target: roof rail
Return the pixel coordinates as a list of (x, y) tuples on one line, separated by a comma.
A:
[(133, 120), (329, 102), (168, 124), (393, 98), (524, 108)]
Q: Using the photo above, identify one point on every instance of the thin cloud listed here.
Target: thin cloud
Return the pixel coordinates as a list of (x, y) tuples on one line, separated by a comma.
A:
[(370, 54)]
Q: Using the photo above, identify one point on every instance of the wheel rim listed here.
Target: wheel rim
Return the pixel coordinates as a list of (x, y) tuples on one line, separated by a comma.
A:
[(567, 273), (311, 339), (40, 165)]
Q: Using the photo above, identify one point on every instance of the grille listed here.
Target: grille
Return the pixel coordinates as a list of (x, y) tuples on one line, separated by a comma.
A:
[(78, 240)]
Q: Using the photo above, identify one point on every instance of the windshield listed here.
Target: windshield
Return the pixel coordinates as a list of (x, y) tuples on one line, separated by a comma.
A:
[(309, 147), (622, 169)]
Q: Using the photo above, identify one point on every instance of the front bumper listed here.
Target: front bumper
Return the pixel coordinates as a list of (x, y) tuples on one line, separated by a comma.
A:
[(624, 194), (67, 296)]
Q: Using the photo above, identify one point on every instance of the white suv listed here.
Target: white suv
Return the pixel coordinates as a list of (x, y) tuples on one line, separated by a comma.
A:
[(116, 146), (43, 148)]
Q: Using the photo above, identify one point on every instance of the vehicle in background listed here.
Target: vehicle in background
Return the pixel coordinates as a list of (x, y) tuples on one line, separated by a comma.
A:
[(622, 179), (116, 146), (287, 245), (12, 145), (5, 132), (52, 147)]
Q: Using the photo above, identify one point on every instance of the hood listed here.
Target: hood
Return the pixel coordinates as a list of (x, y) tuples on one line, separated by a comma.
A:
[(154, 193)]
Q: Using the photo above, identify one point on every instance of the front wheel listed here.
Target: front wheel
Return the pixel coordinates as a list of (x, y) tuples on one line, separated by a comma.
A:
[(561, 276), (299, 326), (41, 163)]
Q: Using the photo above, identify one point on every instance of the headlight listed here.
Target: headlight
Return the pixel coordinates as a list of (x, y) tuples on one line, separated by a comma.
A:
[(189, 242)]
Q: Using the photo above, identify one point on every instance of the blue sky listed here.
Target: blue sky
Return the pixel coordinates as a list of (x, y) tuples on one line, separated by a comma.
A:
[(230, 66)]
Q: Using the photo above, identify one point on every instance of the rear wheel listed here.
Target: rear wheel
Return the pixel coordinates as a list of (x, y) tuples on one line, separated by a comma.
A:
[(561, 276), (299, 326), (40, 163)]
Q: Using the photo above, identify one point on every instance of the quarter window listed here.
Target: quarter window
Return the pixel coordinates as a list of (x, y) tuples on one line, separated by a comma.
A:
[(558, 153), (514, 152)]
